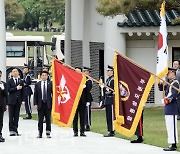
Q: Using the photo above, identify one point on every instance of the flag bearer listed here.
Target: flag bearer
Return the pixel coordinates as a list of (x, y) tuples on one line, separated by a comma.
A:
[(109, 100), (171, 109)]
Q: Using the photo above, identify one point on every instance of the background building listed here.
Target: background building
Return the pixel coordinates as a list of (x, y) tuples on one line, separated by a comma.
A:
[(94, 38)]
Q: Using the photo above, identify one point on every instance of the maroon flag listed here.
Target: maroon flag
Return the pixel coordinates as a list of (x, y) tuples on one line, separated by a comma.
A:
[(132, 87)]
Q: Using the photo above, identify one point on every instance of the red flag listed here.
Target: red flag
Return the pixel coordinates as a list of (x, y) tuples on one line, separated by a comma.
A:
[(67, 89), (132, 87)]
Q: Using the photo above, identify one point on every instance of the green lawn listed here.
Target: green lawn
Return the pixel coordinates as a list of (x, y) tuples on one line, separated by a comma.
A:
[(47, 35), (154, 126)]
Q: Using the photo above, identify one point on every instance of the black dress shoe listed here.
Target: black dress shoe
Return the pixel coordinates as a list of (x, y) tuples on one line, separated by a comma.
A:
[(139, 140), (171, 148), (2, 139), (12, 133), (27, 118), (39, 136), (83, 135), (75, 134), (111, 134), (87, 128)]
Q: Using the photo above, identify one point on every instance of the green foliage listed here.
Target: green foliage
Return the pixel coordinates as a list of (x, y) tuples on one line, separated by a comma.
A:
[(13, 12), (35, 12), (115, 7)]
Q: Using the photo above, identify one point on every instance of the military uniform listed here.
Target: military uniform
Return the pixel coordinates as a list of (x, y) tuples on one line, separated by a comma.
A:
[(27, 91), (171, 112), (89, 84), (81, 111), (27, 94), (109, 100), (178, 98)]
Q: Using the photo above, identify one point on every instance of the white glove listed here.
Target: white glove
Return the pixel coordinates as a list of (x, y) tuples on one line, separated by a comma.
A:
[(23, 102), (84, 86), (102, 86), (87, 103), (2, 86), (107, 89)]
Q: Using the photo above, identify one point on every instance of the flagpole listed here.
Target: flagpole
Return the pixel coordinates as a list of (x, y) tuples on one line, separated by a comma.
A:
[(69, 66), (147, 70)]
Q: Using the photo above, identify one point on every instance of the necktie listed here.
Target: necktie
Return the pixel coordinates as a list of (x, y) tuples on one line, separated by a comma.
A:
[(44, 93), (16, 81)]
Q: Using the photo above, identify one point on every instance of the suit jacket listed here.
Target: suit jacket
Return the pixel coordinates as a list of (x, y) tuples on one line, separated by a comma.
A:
[(15, 95), (38, 95), (27, 83), (3, 96)]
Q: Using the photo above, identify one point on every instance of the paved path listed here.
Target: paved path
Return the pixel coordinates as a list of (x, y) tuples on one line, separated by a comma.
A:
[(63, 142)]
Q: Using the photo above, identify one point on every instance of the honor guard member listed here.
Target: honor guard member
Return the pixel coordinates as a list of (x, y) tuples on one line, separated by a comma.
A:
[(176, 66), (171, 108), (15, 98), (3, 104), (43, 103), (27, 91), (81, 111), (89, 84), (139, 131), (109, 100)]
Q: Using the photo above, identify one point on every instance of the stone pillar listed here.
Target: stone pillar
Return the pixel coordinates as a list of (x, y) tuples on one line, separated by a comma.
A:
[(2, 41), (114, 40), (68, 32)]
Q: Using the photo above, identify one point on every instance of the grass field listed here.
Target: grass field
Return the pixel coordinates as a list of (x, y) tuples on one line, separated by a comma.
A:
[(47, 35), (154, 126)]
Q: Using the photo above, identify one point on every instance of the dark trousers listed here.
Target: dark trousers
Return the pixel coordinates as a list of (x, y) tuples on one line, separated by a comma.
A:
[(1, 119), (109, 117), (28, 104), (88, 116), (178, 102), (81, 110), (14, 111), (44, 111), (139, 129)]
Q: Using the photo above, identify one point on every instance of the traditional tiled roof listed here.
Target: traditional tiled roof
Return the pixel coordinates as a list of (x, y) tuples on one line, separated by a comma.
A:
[(149, 18)]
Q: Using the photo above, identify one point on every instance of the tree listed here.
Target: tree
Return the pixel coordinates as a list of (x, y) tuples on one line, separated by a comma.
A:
[(115, 7), (13, 12), (52, 11), (32, 13)]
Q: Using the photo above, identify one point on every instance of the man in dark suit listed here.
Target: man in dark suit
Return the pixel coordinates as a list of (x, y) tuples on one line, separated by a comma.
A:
[(109, 100), (3, 102), (43, 103), (89, 84), (27, 91), (15, 98), (81, 111)]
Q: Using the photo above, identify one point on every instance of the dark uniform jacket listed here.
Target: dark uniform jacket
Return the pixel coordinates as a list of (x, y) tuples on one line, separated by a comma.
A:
[(3, 96), (38, 95), (172, 107), (27, 83), (85, 96), (89, 84), (109, 96), (14, 94)]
